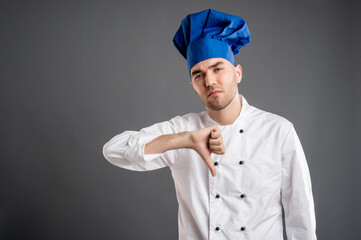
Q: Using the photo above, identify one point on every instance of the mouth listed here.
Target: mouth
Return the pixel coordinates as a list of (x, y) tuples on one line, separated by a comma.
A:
[(213, 93)]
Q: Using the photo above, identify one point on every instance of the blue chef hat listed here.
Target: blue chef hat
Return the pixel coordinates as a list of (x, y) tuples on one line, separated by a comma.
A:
[(211, 34)]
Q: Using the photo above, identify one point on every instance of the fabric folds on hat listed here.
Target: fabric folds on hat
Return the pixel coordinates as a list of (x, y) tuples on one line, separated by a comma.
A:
[(210, 34)]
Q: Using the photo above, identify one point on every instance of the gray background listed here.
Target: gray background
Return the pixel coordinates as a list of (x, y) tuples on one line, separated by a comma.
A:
[(76, 73)]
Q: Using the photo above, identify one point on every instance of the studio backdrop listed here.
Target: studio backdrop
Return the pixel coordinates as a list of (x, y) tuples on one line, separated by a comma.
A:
[(76, 73)]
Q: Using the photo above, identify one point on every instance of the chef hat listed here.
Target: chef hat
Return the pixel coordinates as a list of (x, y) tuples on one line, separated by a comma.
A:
[(210, 34)]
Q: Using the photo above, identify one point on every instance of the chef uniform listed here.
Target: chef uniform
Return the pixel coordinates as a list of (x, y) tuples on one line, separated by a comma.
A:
[(264, 167)]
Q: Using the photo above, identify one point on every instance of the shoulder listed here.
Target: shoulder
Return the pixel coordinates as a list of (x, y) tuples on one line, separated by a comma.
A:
[(268, 119), (184, 122), (192, 116)]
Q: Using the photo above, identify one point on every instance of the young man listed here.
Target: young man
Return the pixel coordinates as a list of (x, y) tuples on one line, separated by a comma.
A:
[(234, 166)]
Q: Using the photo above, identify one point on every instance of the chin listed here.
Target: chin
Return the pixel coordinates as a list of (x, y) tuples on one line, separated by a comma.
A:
[(211, 104), (215, 106)]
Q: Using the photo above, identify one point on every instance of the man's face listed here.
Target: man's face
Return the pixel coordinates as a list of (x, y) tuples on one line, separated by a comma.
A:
[(215, 82)]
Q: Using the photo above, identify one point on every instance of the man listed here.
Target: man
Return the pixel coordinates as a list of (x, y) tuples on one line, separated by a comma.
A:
[(234, 166)]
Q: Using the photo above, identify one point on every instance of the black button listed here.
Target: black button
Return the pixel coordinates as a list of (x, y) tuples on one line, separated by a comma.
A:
[(218, 228), (241, 131), (243, 195), (216, 164), (241, 162), (217, 196), (243, 228)]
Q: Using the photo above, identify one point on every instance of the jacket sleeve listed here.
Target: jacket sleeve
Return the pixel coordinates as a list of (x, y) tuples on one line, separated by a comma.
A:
[(296, 191), (126, 150)]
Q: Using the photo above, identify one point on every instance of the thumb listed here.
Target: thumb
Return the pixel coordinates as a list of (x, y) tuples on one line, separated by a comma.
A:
[(207, 159)]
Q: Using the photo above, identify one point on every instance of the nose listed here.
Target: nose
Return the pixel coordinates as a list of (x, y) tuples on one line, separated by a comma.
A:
[(210, 80)]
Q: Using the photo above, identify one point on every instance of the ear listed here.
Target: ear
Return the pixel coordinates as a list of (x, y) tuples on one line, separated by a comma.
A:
[(238, 71)]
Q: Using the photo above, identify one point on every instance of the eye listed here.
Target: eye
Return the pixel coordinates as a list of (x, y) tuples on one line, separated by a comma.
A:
[(217, 69), (197, 77)]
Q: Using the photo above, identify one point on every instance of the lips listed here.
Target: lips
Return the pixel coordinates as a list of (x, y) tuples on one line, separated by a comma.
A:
[(213, 93)]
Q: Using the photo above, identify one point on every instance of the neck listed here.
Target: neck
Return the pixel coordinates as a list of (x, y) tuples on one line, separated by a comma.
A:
[(229, 114)]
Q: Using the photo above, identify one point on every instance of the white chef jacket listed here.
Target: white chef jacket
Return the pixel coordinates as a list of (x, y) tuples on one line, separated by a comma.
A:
[(263, 169)]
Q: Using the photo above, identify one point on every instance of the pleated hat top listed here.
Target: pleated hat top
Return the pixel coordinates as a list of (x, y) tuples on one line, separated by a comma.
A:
[(210, 34)]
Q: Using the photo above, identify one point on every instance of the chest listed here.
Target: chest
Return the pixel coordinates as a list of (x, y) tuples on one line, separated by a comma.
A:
[(252, 160)]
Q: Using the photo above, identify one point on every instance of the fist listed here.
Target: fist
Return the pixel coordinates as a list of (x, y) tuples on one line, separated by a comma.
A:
[(206, 141), (215, 142)]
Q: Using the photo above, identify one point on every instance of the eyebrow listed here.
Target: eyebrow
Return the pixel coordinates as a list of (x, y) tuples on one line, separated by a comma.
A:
[(212, 66)]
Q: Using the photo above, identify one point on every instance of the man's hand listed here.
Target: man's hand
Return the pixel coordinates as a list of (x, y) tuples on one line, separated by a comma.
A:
[(206, 141)]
